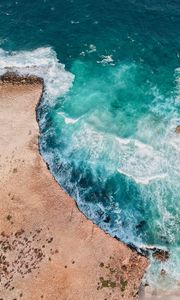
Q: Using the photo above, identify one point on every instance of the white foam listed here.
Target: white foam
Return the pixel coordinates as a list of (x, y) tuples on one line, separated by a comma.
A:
[(92, 48), (142, 180), (68, 120), (143, 146), (41, 62), (74, 22), (122, 141), (106, 59)]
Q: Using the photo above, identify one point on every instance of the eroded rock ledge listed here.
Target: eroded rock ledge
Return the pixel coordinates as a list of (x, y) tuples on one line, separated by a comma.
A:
[(13, 78), (48, 249)]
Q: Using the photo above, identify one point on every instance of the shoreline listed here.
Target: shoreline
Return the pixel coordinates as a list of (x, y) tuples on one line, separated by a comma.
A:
[(95, 265)]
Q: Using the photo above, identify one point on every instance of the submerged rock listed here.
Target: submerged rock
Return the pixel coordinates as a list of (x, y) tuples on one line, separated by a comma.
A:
[(140, 224), (161, 255), (163, 272), (178, 129)]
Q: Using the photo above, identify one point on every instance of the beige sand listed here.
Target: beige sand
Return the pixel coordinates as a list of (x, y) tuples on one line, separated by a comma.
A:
[(49, 250)]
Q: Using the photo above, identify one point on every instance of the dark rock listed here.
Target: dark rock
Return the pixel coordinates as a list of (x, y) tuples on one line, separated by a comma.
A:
[(140, 224), (107, 219), (11, 77), (161, 255), (163, 272)]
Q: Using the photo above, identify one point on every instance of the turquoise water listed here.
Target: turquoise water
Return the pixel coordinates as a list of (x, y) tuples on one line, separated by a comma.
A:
[(108, 115)]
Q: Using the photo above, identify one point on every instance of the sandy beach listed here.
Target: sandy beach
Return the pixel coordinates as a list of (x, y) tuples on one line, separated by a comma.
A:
[(48, 249)]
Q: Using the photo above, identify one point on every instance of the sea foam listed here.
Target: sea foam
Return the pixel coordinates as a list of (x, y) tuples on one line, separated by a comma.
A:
[(41, 62)]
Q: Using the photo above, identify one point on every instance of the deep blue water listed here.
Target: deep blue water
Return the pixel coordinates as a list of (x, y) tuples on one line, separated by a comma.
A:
[(108, 117)]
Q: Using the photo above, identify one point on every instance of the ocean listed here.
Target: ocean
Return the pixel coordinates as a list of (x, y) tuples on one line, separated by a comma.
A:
[(109, 111)]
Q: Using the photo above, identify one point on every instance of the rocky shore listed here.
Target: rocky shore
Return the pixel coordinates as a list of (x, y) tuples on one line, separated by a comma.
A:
[(178, 129), (48, 249)]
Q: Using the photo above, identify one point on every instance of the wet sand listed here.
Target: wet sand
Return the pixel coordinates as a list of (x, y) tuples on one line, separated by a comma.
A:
[(48, 249)]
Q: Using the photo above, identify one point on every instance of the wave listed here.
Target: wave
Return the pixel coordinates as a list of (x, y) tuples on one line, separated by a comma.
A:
[(68, 120), (142, 180), (41, 62), (106, 60)]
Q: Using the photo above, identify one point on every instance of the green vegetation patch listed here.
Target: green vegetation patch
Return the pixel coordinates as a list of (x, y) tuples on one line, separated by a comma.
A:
[(123, 285), (106, 283)]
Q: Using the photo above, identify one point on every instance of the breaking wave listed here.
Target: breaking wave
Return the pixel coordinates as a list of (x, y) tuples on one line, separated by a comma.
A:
[(41, 62)]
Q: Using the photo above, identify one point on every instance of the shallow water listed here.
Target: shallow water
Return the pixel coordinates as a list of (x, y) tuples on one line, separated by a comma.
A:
[(108, 120)]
